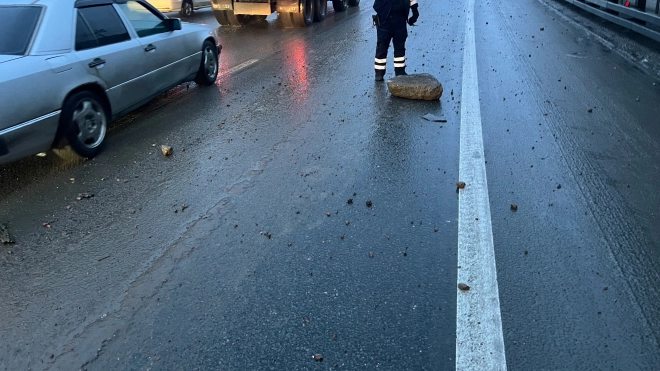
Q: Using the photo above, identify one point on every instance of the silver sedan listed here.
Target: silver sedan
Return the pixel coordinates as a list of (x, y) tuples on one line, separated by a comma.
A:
[(69, 67)]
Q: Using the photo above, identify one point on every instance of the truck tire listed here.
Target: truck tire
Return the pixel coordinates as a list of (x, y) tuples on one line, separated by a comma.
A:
[(305, 15), (320, 10), (221, 18), (353, 2), (340, 5)]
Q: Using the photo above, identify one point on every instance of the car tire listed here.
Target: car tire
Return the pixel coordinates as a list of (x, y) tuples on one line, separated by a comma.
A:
[(208, 67), (187, 8), (340, 5), (320, 10), (84, 123)]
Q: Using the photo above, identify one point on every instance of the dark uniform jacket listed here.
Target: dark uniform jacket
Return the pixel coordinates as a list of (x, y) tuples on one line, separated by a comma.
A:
[(386, 8)]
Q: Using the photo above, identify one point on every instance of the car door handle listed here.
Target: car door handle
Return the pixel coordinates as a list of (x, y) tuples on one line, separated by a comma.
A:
[(96, 62), (149, 48)]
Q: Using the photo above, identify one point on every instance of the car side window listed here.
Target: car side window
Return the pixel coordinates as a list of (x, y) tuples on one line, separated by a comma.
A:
[(104, 24), (84, 37), (142, 19)]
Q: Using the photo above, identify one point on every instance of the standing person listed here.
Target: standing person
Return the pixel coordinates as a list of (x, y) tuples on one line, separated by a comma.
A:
[(391, 19)]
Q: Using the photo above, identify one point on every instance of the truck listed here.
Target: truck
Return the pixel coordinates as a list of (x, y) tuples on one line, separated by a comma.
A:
[(292, 13)]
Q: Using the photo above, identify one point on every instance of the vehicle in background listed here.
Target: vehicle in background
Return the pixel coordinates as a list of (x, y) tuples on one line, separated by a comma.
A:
[(184, 7), (69, 67), (293, 13)]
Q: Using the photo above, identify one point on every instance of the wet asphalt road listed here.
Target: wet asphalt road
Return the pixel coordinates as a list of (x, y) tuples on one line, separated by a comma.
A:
[(223, 256)]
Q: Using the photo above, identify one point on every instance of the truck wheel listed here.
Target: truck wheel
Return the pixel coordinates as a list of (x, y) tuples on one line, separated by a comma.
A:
[(220, 16), (186, 8), (340, 5), (84, 122), (305, 15), (353, 2), (320, 10)]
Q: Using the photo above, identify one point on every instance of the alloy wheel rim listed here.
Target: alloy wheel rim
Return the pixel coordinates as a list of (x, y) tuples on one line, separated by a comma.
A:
[(210, 64), (89, 118)]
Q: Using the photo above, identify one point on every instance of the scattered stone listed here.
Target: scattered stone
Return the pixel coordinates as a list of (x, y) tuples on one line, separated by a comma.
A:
[(605, 288), (85, 196), (342, 236), (435, 229), (350, 201), (463, 287), (5, 238), (526, 252), (460, 185), (558, 186), (434, 118), (421, 86), (334, 336), (369, 204), (514, 207), (318, 357), (347, 222), (47, 225), (590, 110), (167, 150), (328, 213), (542, 28), (371, 255)]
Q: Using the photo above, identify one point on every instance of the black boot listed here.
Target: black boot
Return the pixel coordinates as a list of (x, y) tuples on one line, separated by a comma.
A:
[(380, 75), (400, 71)]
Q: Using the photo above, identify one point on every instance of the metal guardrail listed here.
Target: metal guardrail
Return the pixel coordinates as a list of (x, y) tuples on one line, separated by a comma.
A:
[(642, 16)]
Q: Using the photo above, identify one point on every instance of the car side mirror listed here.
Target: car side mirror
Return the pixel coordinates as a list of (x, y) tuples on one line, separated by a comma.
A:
[(172, 24)]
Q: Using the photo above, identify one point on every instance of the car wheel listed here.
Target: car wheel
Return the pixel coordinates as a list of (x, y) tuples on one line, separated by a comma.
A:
[(340, 5), (320, 10), (208, 68), (84, 122), (186, 8)]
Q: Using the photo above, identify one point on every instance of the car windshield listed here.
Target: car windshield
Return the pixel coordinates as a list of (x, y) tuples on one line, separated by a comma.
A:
[(18, 25)]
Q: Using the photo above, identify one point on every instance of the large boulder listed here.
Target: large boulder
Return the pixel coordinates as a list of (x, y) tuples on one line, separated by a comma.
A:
[(421, 86)]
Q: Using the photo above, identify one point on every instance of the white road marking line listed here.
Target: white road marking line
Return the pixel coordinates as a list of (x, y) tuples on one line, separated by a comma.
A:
[(239, 67), (479, 339)]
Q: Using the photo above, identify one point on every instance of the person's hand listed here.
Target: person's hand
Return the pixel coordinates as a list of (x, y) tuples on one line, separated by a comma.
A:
[(415, 11)]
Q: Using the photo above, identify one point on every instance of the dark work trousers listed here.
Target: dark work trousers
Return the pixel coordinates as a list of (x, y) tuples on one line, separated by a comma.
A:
[(394, 30)]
